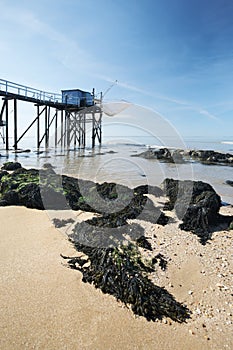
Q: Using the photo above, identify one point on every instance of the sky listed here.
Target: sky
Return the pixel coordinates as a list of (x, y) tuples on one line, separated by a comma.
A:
[(172, 56)]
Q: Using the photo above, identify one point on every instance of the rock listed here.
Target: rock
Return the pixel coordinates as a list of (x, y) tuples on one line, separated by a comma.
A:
[(162, 154), (48, 166), (30, 196), (3, 173), (229, 182), (143, 243), (111, 152), (195, 203), (58, 223), (10, 166), (177, 156), (211, 157), (10, 198), (148, 189)]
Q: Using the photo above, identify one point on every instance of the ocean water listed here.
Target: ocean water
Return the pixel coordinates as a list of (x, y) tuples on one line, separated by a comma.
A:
[(113, 162)]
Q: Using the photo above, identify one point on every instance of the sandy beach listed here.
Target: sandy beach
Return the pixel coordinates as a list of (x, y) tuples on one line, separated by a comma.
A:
[(45, 305)]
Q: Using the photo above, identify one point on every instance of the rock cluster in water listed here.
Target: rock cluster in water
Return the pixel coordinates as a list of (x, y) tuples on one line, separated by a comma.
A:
[(163, 155), (178, 156), (211, 157)]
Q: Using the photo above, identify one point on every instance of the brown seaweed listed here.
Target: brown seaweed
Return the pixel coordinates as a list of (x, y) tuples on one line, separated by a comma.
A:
[(120, 271)]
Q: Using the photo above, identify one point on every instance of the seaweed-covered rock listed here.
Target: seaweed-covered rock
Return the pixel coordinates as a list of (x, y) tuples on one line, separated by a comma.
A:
[(11, 197), (107, 190), (212, 157), (196, 203), (29, 196), (3, 173), (21, 187), (10, 166)]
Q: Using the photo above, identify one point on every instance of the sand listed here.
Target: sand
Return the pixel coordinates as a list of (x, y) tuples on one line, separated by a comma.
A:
[(45, 305)]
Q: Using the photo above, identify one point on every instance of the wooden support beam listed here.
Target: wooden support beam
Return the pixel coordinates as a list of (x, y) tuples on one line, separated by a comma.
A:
[(15, 125), (7, 125), (46, 127), (62, 128), (56, 115), (38, 126), (68, 129), (93, 130), (20, 138), (65, 131), (2, 110)]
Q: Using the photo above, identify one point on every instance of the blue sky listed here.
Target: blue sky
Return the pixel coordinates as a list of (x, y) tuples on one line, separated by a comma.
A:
[(173, 56)]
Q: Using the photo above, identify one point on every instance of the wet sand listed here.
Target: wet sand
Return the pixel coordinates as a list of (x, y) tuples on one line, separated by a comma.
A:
[(45, 305)]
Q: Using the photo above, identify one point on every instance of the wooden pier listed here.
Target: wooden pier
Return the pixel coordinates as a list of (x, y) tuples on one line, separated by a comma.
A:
[(69, 121)]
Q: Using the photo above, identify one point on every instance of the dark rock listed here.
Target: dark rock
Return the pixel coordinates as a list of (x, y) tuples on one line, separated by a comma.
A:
[(162, 154), (148, 189), (107, 190), (48, 166), (212, 157), (229, 182), (3, 173), (142, 189), (177, 156), (11, 166), (10, 198), (195, 203), (143, 243), (30, 196), (58, 223), (159, 258)]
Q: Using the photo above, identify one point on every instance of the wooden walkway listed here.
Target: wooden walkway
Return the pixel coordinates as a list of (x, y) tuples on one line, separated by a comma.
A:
[(25, 93)]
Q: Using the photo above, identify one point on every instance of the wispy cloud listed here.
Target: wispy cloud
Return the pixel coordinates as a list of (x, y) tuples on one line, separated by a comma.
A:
[(180, 103), (207, 114)]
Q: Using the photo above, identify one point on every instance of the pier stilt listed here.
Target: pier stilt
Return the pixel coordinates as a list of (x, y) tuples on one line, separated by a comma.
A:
[(15, 125)]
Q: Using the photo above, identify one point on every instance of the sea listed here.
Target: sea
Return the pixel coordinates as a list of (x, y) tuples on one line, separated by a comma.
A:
[(115, 161)]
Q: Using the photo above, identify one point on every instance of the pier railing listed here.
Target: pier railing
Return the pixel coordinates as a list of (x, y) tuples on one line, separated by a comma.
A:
[(8, 87)]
